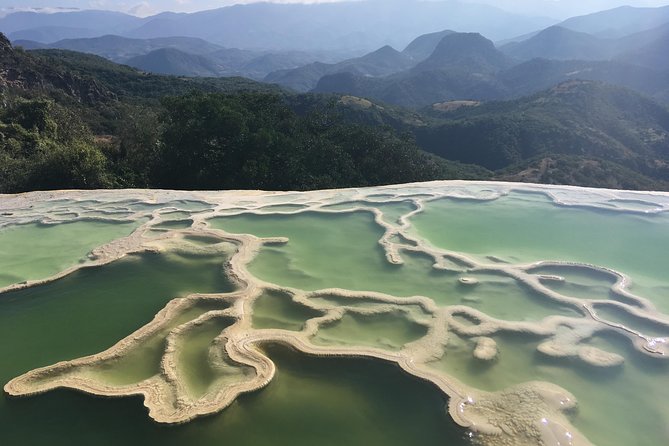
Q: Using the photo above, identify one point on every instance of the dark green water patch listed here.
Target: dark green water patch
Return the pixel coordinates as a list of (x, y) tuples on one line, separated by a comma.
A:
[(175, 224), (91, 309), (201, 240), (328, 402)]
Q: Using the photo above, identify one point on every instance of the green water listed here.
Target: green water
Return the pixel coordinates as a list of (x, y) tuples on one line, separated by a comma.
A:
[(143, 361), (521, 230), (283, 208), (37, 251), (330, 300), (174, 215), (193, 358), (387, 331), (342, 251), (579, 282), (201, 240), (97, 306), (329, 402), (623, 406), (175, 224), (648, 328), (392, 211), (350, 401), (276, 310), (657, 294)]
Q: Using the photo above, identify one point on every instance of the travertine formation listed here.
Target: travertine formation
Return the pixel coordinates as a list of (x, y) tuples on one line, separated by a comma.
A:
[(528, 414)]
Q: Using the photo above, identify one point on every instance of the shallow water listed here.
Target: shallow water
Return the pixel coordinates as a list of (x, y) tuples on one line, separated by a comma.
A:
[(516, 230), (193, 357), (37, 251), (276, 310), (342, 251), (527, 230), (605, 397), (392, 211), (175, 224), (385, 331), (143, 361), (579, 282)]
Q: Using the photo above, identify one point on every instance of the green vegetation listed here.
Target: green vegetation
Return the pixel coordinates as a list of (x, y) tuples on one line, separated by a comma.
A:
[(45, 146), (613, 136), (209, 141), (258, 141), (72, 120)]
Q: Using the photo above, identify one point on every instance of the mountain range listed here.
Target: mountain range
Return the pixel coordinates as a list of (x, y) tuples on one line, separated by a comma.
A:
[(469, 67), (359, 26), (434, 67), (184, 56), (557, 42)]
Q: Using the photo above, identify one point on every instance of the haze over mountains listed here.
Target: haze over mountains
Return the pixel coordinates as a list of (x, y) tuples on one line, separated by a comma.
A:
[(343, 26), (185, 56), (467, 66), (624, 46)]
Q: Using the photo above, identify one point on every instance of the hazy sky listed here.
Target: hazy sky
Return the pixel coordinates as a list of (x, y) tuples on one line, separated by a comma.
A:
[(552, 8)]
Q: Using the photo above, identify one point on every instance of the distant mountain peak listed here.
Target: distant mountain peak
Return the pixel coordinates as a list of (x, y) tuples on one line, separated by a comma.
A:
[(560, 43), (386, 49), (458, 45), (421, 47), (469, 51), (386, 53)]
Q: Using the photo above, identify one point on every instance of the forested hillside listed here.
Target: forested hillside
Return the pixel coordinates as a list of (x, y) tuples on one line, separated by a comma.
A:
[(70, 120)]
